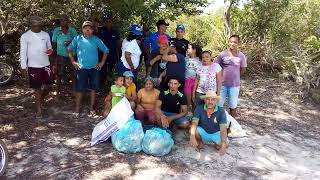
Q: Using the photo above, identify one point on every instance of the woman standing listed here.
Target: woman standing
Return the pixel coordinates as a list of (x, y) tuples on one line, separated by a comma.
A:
[(131, 52)]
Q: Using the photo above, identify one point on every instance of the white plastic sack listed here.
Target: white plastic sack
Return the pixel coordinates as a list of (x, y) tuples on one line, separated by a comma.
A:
[(235, 128), (117, 118)]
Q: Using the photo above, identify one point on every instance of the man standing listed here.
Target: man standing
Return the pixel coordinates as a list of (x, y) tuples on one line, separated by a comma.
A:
[(62, 37), (111, 39), (87, 66), (209, 124), (183, 43), (35, 48), (233, 63), (172, 106), (152, 40)]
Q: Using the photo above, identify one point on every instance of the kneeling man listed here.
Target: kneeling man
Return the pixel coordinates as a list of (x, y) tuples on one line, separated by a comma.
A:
[(209, 124), (172, 106)]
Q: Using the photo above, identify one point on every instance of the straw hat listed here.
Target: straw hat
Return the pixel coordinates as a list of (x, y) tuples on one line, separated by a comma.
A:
[(210, 94)]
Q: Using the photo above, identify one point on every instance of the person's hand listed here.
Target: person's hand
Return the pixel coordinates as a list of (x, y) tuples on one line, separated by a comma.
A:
[(49, 51), (160, 79), (193, 142), (193, 97), (223, 149), (131, 68), (159, 57), (66, 43), (24, 74), (99, 65), (164, 121), (76, 65)]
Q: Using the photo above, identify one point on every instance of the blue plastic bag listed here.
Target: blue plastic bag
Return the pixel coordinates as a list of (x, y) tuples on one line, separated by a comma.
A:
[(157, 142), (129, 138)]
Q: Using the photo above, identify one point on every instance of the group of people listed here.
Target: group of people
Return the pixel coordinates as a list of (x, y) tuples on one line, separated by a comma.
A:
[(185, 87)]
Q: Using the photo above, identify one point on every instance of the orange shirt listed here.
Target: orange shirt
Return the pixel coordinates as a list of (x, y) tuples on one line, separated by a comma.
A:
[(148, 99)]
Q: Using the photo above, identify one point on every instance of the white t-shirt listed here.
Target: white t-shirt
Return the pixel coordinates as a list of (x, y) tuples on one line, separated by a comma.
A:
[(207, 77), (33, 49), (133, 48)]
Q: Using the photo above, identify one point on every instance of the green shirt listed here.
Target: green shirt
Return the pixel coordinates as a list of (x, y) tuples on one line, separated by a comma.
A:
[(115, 89), (60, 37)]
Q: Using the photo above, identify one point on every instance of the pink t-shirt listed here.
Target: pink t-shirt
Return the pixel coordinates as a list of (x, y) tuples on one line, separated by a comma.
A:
[(207, 77), (231, 67)]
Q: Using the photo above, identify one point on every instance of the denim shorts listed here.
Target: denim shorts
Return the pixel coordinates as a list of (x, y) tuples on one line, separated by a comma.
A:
[(87, 79), (176, 121), (206, 137), (230, 93)]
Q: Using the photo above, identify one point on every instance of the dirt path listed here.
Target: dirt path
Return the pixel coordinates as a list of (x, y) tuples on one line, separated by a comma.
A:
[(283, 142)]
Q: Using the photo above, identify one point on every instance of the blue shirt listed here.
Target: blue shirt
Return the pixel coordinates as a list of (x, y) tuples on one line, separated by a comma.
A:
[(87, 50), (152, 41), (210, 124)]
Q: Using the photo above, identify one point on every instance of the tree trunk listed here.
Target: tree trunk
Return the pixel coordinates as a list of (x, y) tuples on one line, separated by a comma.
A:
[(227, 20)]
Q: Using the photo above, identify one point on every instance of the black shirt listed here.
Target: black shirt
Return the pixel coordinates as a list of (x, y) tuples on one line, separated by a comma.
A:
[(109, 38), (177, 69), (172, 103), (181, 45)]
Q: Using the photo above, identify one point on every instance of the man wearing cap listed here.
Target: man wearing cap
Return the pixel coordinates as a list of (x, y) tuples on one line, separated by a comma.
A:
[(111, 38), (181, 41), (172, 106), (152, 40), (87, 66), (131, 52), (209, 124), (61, 38), (35, 48)]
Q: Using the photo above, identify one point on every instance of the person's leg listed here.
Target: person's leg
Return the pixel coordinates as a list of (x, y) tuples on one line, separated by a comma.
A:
[(198, 138), (223, 95), (233, 100), (188, 88), (37, 94), (81, 87), (107, 105), (140, 113), (132, 104), (94, 80)]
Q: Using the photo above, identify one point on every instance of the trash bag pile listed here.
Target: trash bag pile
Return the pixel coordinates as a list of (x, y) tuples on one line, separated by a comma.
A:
[(157, 142), (129, 138)]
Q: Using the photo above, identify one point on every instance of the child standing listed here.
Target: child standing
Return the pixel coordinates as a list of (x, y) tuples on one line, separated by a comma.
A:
[(209, 78), (192, 64), (118, 90)]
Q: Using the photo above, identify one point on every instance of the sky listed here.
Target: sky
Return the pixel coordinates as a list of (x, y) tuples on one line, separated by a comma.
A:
[(217, 4)]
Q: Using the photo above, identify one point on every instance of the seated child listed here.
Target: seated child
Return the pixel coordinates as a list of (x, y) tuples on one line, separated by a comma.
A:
[(131, 90)]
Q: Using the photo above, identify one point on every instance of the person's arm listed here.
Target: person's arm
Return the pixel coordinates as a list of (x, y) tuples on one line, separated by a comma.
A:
[(23, 55), (195, 87), (193, 131), (243, 65), (243, 70), (71, 48), (223, 132), (164, 119), (127, 55), (155, 59), (139, 96), (219, 82), (105, 51), (163, 74), (183, 113), (169, 57)]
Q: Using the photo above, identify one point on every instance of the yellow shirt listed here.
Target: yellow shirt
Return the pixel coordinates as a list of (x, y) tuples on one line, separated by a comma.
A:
[(148, 99), (130, 89)]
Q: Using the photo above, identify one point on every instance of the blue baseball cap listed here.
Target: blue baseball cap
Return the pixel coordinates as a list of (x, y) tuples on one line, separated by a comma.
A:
[(128, 74), (181, 27), (136, 29)]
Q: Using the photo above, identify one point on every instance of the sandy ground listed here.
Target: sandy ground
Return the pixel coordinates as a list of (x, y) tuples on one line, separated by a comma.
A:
[(283, 141)]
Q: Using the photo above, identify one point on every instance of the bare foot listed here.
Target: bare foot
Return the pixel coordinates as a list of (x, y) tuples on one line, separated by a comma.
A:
[(200, 146)]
